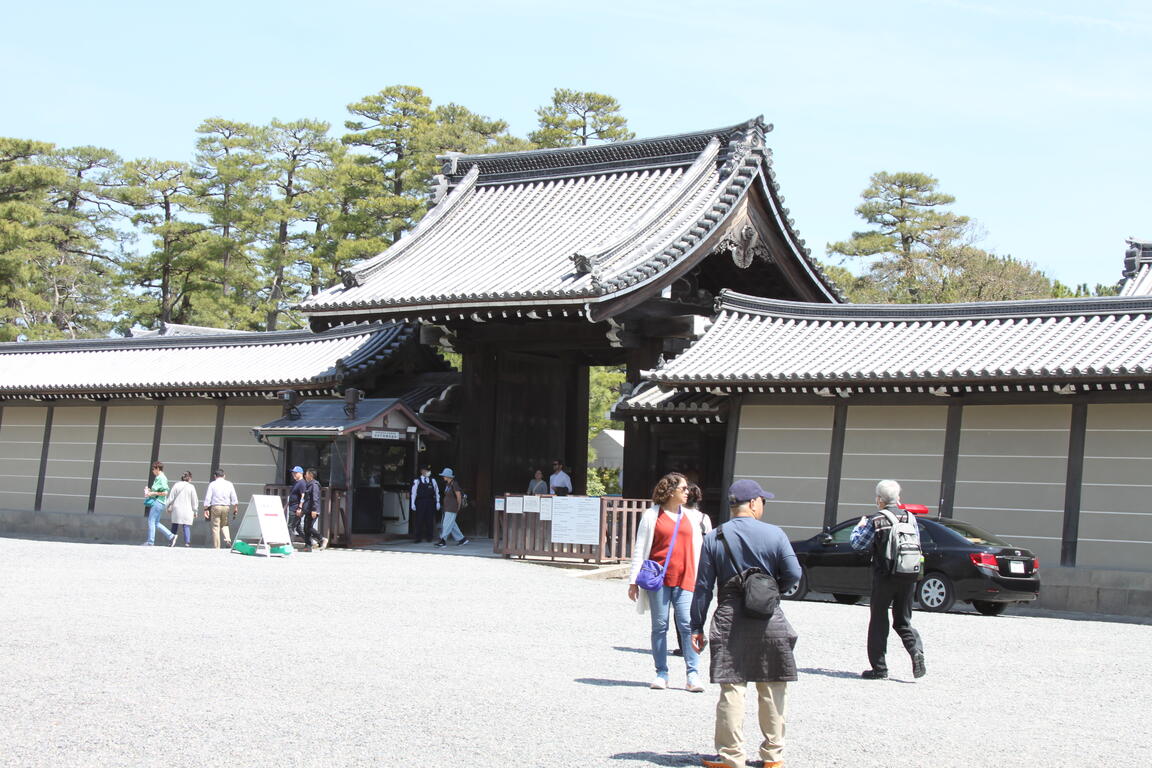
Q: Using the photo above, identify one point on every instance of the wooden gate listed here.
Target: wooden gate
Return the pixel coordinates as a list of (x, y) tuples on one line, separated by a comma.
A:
[(524, 534)]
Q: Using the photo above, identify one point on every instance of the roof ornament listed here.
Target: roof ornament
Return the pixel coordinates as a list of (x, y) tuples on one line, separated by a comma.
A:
[(745, 140), (439, 188), (584, 264), (350, 280), (746, 248), (451, 164)]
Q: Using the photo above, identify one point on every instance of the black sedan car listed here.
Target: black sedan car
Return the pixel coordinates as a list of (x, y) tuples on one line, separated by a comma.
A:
[(961, 562)]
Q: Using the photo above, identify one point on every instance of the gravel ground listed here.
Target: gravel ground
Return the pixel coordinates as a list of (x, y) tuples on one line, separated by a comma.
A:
[(135, 656)]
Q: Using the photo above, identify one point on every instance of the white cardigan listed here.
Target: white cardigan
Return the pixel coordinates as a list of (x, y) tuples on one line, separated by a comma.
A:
[(643, 545)]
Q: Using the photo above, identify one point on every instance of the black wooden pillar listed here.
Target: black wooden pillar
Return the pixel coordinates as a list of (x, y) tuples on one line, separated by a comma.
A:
[(477, 430), (639, 472), (576, 424)]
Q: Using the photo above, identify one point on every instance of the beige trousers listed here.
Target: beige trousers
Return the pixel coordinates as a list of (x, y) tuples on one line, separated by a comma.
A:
[(730, 722), (219, 517)]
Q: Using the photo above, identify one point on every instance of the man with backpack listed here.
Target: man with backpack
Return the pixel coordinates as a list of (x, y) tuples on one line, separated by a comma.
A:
[(752, 642), (894, 538)]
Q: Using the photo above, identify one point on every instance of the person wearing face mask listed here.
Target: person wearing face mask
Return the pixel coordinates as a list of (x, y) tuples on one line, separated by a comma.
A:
[(424, 503)]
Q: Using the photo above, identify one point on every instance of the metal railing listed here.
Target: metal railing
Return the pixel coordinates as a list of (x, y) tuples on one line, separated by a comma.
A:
[(524, 534), (335, 524)]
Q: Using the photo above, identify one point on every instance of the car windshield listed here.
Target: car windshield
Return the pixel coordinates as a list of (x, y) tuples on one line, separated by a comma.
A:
[(971, 532)]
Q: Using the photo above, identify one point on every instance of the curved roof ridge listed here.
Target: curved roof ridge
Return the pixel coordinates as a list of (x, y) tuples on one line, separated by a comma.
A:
[(353, 275), (1105, 305), (684, 188), (680, 148)]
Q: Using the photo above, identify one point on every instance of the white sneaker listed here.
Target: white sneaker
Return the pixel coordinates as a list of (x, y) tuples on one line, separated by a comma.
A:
[(659, 683), (694, 684)]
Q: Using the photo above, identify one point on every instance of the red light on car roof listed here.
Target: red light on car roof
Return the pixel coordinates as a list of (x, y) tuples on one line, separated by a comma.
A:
[(916, 509)]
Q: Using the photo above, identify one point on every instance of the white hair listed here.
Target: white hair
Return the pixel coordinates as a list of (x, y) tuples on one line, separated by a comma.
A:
[(888, 491)]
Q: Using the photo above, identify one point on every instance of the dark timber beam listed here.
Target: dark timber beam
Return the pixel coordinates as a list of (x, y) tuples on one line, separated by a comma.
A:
[(44, 447), (951, 459), (835, 463), (1072, 484)]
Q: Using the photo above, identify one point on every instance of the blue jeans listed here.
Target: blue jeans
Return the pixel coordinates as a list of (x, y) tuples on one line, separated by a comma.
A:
[(449, 529), (680, 601), (154, 513)]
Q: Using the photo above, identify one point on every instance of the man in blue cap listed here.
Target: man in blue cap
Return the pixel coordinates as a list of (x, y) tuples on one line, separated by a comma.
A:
[(295, 508), (746, 649)]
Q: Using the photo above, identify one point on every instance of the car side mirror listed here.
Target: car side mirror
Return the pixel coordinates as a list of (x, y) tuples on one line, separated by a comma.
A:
[(826, 539)]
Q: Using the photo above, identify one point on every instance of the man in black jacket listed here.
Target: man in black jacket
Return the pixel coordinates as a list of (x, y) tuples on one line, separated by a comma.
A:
[(887, 589)]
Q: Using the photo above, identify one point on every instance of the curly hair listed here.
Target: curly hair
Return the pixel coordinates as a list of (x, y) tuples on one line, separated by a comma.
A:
[(663, 490), (695, 495)]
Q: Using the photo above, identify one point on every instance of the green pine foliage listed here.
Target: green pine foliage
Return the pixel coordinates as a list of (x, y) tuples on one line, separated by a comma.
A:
[(576, 118), (918, 252)]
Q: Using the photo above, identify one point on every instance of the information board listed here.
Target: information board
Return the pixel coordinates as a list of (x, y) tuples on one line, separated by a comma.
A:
[(546, 507), (531, 504), (264, 521), (514, 505), (576, 520)]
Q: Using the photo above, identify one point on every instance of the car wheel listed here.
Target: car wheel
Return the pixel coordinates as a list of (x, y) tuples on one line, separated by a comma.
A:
[(846, 599), (989, 609), (935, 593), (800, 589)]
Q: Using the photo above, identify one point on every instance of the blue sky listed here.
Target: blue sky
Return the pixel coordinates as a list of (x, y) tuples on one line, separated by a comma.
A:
[(1034, 114)]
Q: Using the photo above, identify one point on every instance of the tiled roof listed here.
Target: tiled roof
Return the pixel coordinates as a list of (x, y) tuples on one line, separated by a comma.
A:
[(650, 403), (213, 364), (327, 417), (766, 345), (564, 228)]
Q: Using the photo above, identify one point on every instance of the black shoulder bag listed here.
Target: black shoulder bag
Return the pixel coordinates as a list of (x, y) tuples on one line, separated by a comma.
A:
[(761, 592)]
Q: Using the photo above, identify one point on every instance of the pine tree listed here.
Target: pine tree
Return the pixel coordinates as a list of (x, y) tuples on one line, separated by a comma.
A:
[(575, 118)]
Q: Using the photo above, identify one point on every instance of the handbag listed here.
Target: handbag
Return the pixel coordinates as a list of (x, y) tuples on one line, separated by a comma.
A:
[(651, 575), (761, 593)]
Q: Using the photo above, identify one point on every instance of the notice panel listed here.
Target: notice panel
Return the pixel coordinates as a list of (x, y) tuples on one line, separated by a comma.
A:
[(576, 520), (546, 507)]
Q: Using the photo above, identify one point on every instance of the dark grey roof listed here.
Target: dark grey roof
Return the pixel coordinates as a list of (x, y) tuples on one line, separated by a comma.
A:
[(329, 418), (1137, 269), (211, 364), (558, 231), (651, 403), (765, 345)]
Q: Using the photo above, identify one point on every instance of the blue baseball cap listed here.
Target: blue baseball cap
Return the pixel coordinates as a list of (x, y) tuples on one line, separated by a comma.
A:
[(743, 491), (297, 469)]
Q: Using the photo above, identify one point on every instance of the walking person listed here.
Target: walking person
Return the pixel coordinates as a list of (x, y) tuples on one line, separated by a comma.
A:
[(746, 649), (669, 533), (295, 507), (537, 486), (155, 500), (218, 499), (182, 506), (425, 503), (888, 589), (310, 512), (451, 502)]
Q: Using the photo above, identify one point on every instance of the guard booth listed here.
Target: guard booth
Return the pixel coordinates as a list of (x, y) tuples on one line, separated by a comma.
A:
[(365, 452)]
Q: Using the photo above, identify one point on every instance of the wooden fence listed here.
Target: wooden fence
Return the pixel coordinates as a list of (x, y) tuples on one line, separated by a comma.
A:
[(335, 522), (524, 534)]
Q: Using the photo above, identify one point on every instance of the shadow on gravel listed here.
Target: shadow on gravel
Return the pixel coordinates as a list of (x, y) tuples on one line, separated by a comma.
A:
[(660, 758), (626, 649), (827, 672), (603, 682)]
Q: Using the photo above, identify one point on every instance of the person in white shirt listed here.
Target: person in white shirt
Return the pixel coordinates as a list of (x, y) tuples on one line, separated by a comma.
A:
[(220, 495), (424, 503), (559, 479)]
